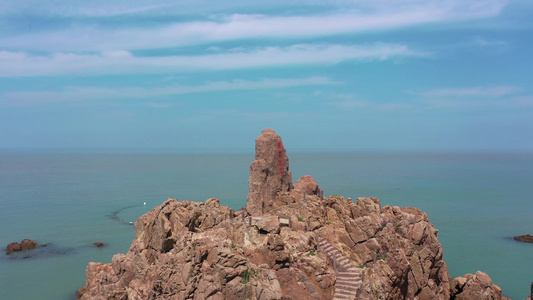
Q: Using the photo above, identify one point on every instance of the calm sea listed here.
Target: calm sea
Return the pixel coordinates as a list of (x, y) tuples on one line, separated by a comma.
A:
[(67, 201)]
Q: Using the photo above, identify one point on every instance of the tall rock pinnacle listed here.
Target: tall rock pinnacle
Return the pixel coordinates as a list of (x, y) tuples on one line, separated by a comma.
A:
[(269, 173)]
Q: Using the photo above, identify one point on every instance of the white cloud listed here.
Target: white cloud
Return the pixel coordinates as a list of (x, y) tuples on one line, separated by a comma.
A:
[(352, 102), (360, 104), (74, 94), (104, 8), (453, 103), (496, 91), (488, 43), (119, 62), (364, 16), (478, 97)]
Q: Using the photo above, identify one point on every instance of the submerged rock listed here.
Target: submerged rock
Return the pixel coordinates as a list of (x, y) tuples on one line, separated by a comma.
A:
[(98, 244), (26, 244), (528, 238)]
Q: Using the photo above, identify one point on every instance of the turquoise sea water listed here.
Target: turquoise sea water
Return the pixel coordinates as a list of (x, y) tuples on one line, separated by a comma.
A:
[(70, 200)]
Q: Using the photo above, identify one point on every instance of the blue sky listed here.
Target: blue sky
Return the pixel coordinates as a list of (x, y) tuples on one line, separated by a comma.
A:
[(360, 75)]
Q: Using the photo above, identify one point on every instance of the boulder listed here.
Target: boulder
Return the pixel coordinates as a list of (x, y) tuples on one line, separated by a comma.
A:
[(477, 286), (269, 173), (13, 247), (268, 224), (528, 238), (26, 244), (98, 244), (307, 185)]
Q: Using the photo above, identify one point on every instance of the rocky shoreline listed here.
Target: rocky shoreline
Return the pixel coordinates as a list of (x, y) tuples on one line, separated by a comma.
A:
[(289, 242)]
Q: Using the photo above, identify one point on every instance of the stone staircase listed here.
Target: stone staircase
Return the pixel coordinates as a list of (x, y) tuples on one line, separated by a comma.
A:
[(349, 278)]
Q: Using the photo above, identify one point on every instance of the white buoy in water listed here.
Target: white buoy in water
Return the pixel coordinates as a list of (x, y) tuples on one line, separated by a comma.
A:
[(144, 203)]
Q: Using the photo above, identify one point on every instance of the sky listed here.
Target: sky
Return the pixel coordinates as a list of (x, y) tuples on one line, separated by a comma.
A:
[(359, 75)]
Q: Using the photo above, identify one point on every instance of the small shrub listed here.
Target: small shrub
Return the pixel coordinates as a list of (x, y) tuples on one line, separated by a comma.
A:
[(246, 276), (311, 253), (233, 245), (362, 266), (301, 219), (382, 256)]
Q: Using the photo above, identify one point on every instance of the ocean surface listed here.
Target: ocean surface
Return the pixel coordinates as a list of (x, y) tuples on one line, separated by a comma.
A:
[(67, 201)]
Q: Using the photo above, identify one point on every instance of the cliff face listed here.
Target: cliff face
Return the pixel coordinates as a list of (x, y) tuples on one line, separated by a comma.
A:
[(298, 245)]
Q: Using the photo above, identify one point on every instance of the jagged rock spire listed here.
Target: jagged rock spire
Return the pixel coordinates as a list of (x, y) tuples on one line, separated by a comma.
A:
[(269, 173)]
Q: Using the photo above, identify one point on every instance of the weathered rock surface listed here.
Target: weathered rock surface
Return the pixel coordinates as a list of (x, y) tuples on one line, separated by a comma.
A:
[(269, 172), (528, 238), (289, 243), (26, 244), (478, 286), (307, 185)]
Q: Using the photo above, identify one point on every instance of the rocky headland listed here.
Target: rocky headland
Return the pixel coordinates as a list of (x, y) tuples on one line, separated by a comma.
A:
[(289, 242)]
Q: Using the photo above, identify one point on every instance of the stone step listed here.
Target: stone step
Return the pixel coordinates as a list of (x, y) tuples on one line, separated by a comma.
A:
[(343, 297), (344, 292), (329, 250), (348, 279), (349, 285), (343, 260), (353, 288), (349, 274), (348, 282), (345, 264)]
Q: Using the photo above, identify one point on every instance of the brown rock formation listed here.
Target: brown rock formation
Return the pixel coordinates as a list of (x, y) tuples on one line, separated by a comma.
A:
[(307, 185), (269, 172), (26, 244), (295, 245), (98, 244), (478, 286), (528, 238)]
